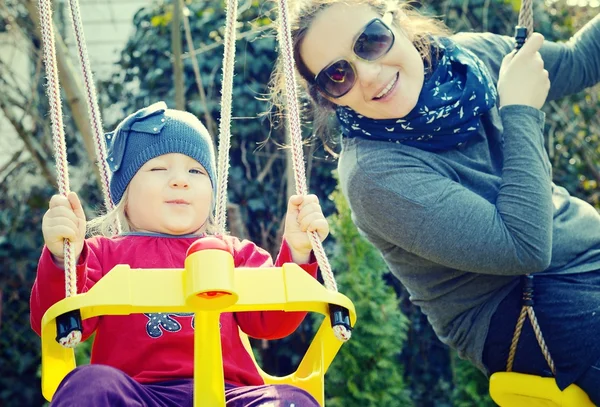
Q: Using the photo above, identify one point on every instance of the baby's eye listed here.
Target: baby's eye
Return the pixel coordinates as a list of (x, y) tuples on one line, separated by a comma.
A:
[(197, 171), (157, 169)]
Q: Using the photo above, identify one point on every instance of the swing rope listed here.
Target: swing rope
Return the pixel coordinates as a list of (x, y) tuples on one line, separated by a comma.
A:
[(60, 149), (285, 39), (225, 122), (526, 21), (72, 337), (92, 105), (526, 16)]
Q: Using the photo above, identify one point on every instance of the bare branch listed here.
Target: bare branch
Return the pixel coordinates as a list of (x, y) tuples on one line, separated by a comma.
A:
[(267, 168), (217, 44), (210, 123), (12, 159), (30, 144), (236, 223)]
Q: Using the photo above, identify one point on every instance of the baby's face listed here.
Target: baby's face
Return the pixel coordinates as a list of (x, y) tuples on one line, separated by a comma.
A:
[(170, 194)]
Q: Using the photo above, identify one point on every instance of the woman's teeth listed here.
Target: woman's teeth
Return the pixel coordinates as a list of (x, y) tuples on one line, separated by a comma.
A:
[(389, 87)]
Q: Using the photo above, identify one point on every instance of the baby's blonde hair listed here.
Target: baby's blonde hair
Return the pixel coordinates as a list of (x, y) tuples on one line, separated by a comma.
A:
[(105, 225)]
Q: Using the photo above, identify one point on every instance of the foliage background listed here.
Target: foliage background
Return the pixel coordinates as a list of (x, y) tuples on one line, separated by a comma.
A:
[(412, 366)]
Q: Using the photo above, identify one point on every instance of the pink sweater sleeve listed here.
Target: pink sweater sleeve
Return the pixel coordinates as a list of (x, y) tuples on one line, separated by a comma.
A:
[(49, 285), (268, 324)]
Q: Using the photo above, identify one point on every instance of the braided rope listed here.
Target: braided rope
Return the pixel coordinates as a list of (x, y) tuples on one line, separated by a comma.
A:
[(526, 20), (526, 16), (515, 339), (527, 311), (540, 339), (225, 123), (58, 142), (92, 105), (285, 41), (297, 153)]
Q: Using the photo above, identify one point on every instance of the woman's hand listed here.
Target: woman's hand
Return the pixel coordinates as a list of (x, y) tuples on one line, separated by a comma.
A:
[(64, 220), (523, 79), (304, 215)]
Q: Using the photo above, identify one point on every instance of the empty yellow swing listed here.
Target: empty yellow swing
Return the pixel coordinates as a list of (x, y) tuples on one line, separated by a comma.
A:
[(209, 284)]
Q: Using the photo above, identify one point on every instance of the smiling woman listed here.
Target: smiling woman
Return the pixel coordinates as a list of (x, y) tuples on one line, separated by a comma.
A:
[(444, 167)]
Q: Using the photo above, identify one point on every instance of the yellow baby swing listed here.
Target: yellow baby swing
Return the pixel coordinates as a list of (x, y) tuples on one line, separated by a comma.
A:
[(208, 284), (510, 389)]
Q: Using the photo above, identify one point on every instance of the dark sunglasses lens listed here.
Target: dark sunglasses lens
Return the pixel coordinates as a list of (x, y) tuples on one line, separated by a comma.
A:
[(337, 79), (374, 42)]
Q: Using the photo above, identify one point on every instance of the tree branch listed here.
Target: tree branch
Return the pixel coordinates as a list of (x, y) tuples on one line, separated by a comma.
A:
[(29, 141)]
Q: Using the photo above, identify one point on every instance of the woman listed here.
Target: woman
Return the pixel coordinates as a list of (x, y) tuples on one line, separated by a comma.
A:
[(443, 164)]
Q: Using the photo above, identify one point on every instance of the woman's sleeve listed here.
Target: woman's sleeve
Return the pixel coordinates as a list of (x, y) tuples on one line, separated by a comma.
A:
[(435, 218), (573, 65), (268, 324), (49, 285)]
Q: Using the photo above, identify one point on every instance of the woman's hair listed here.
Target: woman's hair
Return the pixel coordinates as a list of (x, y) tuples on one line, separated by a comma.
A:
[(105, 225), (418, 28)]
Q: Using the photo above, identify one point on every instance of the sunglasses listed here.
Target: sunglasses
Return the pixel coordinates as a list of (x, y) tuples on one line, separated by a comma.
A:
[(338, 78)]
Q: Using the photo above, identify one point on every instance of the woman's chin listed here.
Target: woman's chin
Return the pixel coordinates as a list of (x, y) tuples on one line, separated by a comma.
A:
[(395, 108)]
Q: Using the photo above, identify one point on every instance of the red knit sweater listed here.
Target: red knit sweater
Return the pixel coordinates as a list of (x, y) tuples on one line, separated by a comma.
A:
[(159, 346)]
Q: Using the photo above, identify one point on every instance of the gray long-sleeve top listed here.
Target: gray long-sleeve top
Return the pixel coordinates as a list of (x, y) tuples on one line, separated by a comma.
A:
[(459, 227)]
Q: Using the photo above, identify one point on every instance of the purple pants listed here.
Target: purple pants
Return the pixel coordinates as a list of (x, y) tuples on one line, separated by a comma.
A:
[(105, 386)]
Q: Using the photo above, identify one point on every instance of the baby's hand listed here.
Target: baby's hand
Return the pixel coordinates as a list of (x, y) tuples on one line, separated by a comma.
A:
[(304, 215), (64, 220), (523, 79)]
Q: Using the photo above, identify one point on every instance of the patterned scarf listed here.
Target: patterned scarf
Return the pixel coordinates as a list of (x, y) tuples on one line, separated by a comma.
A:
[(455, 93)]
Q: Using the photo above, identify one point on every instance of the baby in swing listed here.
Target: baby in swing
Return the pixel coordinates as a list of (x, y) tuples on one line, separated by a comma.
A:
[(163, 188)]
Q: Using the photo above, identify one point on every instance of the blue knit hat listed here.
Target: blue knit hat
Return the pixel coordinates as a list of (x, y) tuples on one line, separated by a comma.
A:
[(150, 132)]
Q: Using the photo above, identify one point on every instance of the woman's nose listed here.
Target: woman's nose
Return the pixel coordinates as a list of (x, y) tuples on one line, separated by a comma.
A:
[(367, 72)]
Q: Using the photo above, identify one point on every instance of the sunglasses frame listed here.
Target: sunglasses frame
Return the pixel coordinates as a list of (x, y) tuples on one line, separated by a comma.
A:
[(386, 25)]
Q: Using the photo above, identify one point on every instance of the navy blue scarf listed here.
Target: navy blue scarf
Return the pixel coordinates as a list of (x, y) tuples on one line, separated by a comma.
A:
[(455, 93)]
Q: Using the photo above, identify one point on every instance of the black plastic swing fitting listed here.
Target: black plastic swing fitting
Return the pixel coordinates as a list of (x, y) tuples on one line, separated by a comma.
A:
[(520, 36), (339, 316), (528, 290), (67, 323)]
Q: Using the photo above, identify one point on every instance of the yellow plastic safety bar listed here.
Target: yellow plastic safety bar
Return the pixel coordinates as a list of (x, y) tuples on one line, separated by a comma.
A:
[(523, 390), (208, 286)]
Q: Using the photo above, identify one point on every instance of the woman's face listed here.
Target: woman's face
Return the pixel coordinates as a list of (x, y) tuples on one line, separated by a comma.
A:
[(387, 88)]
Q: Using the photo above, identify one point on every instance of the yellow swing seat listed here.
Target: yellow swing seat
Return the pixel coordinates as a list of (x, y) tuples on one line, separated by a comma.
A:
[(208, 285), (509, 389)]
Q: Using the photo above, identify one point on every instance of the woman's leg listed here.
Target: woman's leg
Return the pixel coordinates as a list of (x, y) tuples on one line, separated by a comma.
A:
[(589, 382), (101, 386), (275, 395)]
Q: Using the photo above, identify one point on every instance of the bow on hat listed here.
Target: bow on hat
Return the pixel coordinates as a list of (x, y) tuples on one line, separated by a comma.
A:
[(149, 120)]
